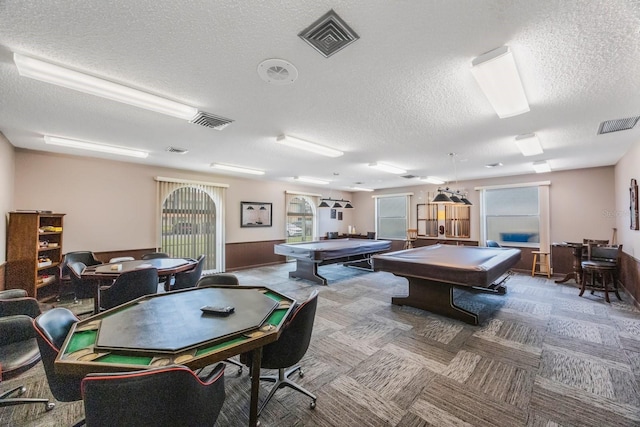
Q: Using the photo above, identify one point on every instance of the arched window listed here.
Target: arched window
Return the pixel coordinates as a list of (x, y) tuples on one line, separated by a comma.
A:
[(301, 217), (191, 218)]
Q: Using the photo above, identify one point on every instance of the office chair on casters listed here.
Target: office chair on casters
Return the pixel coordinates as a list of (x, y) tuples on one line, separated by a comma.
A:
[(51, 329), (221, 279), (153, 255), (165, 396), (18, 346), (289, 350), (128, 286), (189, 279)]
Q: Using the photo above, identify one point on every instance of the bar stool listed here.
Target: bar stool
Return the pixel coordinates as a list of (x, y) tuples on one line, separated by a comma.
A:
[(543, 260), (601, 265), (412, 236)]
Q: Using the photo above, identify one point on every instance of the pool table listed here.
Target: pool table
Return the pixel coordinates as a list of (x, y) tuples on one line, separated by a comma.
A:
[(170, 328), (349, 252), (434, 271)]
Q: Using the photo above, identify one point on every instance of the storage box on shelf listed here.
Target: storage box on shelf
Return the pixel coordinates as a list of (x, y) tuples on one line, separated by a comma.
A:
[(34, 252)]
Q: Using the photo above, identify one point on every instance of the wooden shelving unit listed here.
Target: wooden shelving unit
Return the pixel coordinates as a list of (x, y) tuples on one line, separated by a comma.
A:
[(457, 221), (34, 252)]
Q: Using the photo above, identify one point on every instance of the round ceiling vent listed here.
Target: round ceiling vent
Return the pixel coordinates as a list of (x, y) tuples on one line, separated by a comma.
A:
[(277, 72)]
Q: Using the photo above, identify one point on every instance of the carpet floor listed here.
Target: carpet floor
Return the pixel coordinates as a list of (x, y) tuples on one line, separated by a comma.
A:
[(541, 356)]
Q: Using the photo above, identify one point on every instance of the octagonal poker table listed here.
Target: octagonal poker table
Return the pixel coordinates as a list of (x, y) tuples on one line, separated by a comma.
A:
[(170, 328)]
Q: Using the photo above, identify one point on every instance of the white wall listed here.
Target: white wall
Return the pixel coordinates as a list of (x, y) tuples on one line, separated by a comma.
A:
[(581, 202), (628, 167), (110, 205), (7, 159)]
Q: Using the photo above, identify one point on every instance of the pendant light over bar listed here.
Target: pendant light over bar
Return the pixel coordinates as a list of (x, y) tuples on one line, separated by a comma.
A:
[(90, 146), (454, 197), (336, 205), (71, 79), (498, 77), (301, 144)]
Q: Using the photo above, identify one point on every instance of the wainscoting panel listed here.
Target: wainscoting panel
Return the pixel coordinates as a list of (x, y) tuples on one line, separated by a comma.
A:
[(630, 276), (252, 254)]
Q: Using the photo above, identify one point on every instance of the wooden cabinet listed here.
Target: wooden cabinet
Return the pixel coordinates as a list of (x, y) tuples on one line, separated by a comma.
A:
[(427, 219), (34, 253)]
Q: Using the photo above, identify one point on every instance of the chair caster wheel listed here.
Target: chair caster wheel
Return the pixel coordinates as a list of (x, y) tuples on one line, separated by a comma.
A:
[(312, 405), (21, 391), (239, 371), (49, 406), (301, 373)]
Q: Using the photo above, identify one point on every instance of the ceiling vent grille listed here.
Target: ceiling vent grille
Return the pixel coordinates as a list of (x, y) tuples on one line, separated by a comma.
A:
[(617, 125), (409, 176), (211, 121), (329, 34), (176, 150)]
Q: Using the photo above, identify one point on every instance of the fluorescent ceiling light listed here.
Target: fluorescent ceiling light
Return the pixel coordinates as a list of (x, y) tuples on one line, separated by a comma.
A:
[(236, 169), (360, 189), (308, 146), (432, 180), (529, 144), (387, 168), (57, 75), (498, 77), (541, 167), (310, 180), (83, 145)]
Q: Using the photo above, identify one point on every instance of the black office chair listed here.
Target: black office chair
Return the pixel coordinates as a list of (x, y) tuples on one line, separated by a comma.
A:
[(189, 279), (332, 234), (128, 286), (87, 258), (18, 346), (493, 244), (164, 396), (218, 279), (371, 235), (52, 328), (289, 350), (221, 279), (154, 255)]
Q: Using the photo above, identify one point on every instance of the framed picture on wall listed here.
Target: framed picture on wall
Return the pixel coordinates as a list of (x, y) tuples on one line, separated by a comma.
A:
[(339, 216), (333, 214), (633, 204), (256, 214)]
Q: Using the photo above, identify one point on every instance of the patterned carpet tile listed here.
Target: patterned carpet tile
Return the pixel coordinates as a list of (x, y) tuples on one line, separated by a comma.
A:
[(541, 356), (470, 405), (572, 406)]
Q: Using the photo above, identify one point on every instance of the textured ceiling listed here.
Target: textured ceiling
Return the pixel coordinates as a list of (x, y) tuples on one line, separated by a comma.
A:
[(402, 93)]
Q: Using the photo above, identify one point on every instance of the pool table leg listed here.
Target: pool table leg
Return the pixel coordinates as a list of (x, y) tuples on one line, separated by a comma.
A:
[(255, 386), (308, 270), (436, 297)]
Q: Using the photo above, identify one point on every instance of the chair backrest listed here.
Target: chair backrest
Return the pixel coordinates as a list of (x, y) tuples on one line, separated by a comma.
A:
[(81, 288), (165, 396), (332, 234), (606, 253), (493, 244), (218, 279), (153, 255), (371, 235), (15, 302), (295, 338), (128, 286), (18, 347), (189, 279), (121, 259), (52, 328)]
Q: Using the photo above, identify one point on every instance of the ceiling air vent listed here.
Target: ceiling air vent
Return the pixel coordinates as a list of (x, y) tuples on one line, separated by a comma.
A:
[(329, 34), (176, 150), (409, 176), (617, 125), (211, 121)]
